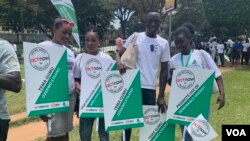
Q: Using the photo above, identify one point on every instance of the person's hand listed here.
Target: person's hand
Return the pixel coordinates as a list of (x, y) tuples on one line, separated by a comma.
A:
[(78, 89), (161, 105), (45, 118), (77, 114), (220, 101), (122, 67)]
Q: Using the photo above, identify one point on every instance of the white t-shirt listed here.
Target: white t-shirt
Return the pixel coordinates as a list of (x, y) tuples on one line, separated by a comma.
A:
[(195, 61), (71, 61), (8, 63), (151, 52), (245, 46), (220, 48), (213, 46), (78, 66)]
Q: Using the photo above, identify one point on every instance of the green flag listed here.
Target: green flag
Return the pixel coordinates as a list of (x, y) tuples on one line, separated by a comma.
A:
[(66, 10)]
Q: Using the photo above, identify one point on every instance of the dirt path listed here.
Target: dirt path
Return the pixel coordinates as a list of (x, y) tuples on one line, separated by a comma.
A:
[(31, 131), (34, 130)]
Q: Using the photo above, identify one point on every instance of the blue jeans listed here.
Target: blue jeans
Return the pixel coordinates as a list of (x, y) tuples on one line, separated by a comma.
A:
[(148, 98), (86, 126)]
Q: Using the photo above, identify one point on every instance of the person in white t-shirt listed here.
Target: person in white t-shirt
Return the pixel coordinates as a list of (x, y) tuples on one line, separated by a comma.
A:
[(245, 55), (153, 51), (192, 58), (213, 45), (220, 50), (93, 39), (62, 122), (10, 80)]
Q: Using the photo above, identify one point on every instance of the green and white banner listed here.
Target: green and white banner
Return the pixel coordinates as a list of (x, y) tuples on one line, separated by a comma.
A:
[(46, 77), (190, 95), (122, 100), (156, 127), (91, 103), (200, 130), (66, 10)]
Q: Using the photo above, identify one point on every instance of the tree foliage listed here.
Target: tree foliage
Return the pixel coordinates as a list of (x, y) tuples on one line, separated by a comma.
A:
[(230, 17)]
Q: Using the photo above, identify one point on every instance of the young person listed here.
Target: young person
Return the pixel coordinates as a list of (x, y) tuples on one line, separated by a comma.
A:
[(153, 51), (192, 58), (93, 39), (10, 79), (63, 122)]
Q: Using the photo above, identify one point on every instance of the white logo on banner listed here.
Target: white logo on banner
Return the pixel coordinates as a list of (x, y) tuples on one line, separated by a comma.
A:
[(93, 68), (185, 79), (39, 59), (201, 130), (114, 83), (151, 116)]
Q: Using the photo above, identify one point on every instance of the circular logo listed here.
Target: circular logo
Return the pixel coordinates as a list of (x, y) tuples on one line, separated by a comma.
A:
[(93, 68), (39, 58), (185, 79), (114, 83), (200, 128), (151, 116)]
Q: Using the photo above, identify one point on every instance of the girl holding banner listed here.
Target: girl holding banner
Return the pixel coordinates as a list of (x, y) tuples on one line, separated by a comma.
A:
[(92, 42), (193, 58), (59, 124)]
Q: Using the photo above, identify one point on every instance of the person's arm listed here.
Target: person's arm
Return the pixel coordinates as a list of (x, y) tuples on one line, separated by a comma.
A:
[(120, 65), (221, 98), (78, 86), (163, 81), (11, 81)]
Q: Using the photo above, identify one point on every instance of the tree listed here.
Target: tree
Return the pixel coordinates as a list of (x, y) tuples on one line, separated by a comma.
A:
[(123, 9), (228, 17)]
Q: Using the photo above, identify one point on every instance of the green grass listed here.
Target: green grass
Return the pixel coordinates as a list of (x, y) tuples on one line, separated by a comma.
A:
[(235, 111), (23, 121)]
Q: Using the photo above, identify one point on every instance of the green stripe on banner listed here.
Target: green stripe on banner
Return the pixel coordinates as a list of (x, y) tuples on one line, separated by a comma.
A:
[(96, 101), (56, 88), (137, 125), (199, 102), (165, 133), (91, 115), (114, 67), (47, 111), (133, 97)]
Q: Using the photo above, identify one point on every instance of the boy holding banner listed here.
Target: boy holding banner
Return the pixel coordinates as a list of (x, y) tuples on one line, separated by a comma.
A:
[(153, 51), (93, 39), (193, 58), (62, 123)]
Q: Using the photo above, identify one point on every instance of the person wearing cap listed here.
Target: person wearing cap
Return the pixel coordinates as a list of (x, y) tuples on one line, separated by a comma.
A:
[(62, 123)]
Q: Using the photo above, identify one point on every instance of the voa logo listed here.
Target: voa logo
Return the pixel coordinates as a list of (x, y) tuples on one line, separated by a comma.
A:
[(236, 132)]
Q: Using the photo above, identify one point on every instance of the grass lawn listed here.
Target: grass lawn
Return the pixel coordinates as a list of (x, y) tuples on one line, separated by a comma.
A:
[(236, 110)]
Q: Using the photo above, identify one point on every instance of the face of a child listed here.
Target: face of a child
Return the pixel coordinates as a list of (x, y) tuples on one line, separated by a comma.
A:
[(182, 43), (92, 42), (62, 34)]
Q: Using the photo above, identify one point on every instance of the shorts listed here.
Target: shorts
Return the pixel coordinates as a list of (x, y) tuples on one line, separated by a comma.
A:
[(148, 96), (63, 122)]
